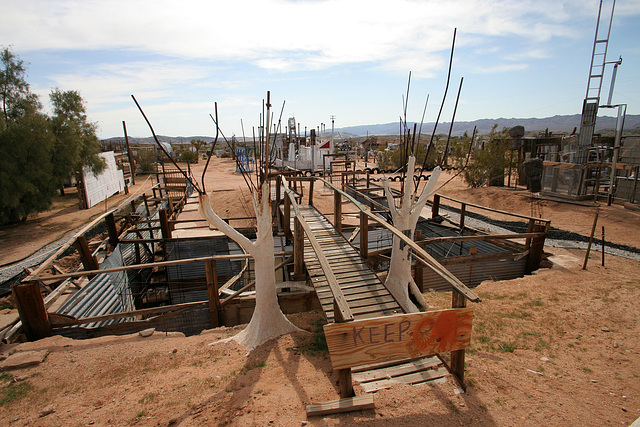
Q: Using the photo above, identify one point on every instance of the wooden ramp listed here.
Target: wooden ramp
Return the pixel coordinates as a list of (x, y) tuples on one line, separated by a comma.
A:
[(366, 296)]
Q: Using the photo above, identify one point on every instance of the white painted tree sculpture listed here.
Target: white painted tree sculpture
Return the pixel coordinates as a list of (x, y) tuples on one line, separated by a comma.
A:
[(405, 217), (268, 321)]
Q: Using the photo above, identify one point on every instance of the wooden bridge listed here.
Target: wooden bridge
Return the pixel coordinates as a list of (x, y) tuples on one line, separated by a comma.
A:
[(354, 300), (364, 293)]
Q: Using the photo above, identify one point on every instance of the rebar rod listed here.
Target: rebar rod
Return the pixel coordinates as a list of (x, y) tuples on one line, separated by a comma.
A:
[(446, 89), (195, 185)]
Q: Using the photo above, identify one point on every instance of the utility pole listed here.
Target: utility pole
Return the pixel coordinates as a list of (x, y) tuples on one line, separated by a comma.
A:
[(332, 120)]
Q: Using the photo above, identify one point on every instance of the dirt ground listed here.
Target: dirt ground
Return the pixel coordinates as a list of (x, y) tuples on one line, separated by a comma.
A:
[(559, 347)]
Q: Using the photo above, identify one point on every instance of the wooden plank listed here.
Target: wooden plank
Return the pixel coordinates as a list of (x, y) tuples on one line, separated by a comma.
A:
[(377, 289), (367, 306), (414, 378), (396, 370), (364, 300), (333, 283), (346, 404), (398, 337)]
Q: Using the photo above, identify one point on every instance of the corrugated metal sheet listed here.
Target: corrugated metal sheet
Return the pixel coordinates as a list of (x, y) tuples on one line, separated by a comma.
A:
[(187, 282), (112, 292), (104, 294), (474, 273)]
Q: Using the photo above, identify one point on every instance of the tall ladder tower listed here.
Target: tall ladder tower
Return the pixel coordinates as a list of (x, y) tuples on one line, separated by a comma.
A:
[(594, 84)]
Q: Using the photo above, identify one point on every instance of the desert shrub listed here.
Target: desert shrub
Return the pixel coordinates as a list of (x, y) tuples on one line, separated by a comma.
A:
[(189, 157), (146, 160)]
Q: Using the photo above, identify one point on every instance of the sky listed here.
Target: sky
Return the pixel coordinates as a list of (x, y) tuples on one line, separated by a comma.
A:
[(349, 59)]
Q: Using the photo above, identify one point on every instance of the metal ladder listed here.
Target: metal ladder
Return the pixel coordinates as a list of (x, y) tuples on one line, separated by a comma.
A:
[(594, 84)]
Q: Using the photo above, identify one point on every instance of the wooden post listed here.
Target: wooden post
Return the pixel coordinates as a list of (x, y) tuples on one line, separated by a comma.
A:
[(337, 211), (632, 199), (311, 191), (112, 230), (537, 249), (132, 165), (164, 224), (463, 211), (364, 235), (298, 250), (278, 187), (345, 382), (435, 209), (419, 272), (368, 180), (593, 230), (133, 207), (146, 203), (530, 227), (212, 290), (457, 357), (170, 207), (32, 311), (286, 220), (89, 262)]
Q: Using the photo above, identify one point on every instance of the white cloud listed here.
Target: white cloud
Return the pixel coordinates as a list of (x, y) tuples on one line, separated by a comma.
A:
[(267, 32)]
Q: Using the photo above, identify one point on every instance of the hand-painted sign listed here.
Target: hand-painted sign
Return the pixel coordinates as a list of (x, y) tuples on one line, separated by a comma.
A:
[(398, 337)]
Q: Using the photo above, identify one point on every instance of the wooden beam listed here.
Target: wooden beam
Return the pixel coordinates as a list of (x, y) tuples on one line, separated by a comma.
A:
[(489, 209), (537, 247), (88, 261), (347, 404), (483, 237), (364, 235), (286, 217), (64, 247), (150, 265), (65, 320), (435, 208), (164, 224), (430, 261), (298, 250), (112, 230), (32, 311)]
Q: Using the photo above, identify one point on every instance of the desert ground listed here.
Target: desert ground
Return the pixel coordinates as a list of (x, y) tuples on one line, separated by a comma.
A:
[(559, 347)]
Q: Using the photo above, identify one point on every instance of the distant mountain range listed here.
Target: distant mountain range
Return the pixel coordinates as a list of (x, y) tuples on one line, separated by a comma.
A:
[(553, 124)]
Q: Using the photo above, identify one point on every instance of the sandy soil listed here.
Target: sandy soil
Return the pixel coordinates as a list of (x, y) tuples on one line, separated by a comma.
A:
[(556, 348)]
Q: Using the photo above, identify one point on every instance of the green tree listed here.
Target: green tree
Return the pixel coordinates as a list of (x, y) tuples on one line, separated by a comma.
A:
[(198, 144), (25, 146), (489, 163), (76, 143)]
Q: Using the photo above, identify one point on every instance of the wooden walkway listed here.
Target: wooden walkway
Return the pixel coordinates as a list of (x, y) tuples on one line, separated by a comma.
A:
[(366, 296)]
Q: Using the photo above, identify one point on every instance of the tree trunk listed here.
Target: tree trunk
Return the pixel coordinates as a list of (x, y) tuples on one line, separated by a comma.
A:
[(268, 321), (399, 280)]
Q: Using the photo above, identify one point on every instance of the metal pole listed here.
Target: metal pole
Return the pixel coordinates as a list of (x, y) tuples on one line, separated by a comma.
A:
[(622, 112)]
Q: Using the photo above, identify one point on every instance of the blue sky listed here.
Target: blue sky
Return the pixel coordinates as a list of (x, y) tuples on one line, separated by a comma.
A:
[(348, 58)]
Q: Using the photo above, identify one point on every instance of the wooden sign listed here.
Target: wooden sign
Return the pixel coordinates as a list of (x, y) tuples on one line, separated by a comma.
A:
[(403, 336)]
